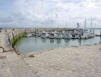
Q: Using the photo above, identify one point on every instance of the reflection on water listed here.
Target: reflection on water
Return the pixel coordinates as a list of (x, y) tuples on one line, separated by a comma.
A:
[(37, 43), (58, 41), (79, 42), (44, 40), (51, 41), (66, 40)]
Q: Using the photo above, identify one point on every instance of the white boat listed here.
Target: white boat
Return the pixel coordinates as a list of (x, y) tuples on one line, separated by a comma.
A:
[(60, 36), (84, 36), (28, 35), (51, 36), (44, 34)]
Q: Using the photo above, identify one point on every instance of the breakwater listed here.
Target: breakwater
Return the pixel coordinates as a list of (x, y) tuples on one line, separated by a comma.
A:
[(8, 37)]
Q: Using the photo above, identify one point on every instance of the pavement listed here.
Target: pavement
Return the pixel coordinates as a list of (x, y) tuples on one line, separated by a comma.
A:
[(12, 65), (83, 61), (4, 68)]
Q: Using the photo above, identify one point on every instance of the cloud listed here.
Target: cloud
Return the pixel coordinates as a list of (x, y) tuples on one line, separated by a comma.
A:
[(54, 13)]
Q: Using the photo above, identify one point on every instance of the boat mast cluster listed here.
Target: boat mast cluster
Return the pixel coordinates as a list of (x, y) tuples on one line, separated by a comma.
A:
[(76, 33)]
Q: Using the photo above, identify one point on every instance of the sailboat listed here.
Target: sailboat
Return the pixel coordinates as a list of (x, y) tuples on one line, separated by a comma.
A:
[(87, 34), (91, 35)]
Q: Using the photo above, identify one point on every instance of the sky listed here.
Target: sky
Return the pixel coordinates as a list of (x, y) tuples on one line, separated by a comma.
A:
[(49, 13)]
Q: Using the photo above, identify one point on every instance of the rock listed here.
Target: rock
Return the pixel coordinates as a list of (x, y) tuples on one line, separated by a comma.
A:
[(32, 56)]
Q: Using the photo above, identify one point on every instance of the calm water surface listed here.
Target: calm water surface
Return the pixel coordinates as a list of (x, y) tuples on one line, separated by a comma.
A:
[(38, 44)]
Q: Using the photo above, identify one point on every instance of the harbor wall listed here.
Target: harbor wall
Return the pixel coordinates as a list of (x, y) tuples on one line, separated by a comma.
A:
[(6, 36)]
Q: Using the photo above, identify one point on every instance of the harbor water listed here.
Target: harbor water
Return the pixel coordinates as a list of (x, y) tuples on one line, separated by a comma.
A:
[(29, 44)]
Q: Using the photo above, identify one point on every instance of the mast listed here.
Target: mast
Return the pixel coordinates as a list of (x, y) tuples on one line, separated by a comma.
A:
[(85, 24), (91, 24), (78, 25)]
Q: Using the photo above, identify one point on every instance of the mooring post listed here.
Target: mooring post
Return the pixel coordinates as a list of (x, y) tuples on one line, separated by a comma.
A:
[(93, 31), (100, 32)]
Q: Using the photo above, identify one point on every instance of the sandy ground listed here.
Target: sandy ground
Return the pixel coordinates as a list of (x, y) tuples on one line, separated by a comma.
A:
[(84, 61)]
